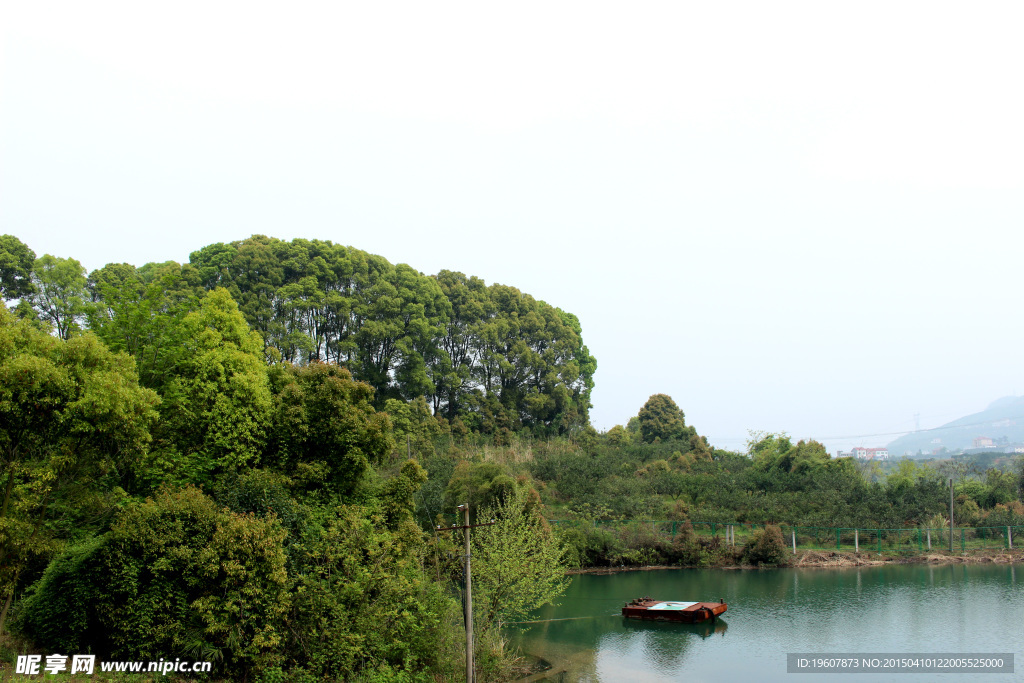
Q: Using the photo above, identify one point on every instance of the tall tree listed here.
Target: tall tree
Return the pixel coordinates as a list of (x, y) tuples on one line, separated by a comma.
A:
[(493, 352), (217, 408), (454, 365), (60, 292), (141, 312), (16, 263), (257, 274)]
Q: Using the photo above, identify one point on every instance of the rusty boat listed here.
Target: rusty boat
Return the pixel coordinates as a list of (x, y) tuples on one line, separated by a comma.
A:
[(666, 610)]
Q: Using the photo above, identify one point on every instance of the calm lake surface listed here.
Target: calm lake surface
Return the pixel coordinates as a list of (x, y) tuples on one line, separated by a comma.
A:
[(891, 609)]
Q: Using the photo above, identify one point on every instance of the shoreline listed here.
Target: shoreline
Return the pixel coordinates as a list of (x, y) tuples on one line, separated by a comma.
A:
[(833, 559)]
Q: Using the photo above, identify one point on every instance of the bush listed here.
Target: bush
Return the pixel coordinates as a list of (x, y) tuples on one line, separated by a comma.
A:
[(174, 576), (766, 546), (587, 546), (359, 600)]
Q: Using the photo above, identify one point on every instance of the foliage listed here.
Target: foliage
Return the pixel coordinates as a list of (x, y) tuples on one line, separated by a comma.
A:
[(766, 546), (294, 376), (518, 562), (16, 264), (359, 600), (173, 575), (617, 435), (141, 312), (662, 420), (1010, 514), (397, 495), (261, 492), (429, 498), (325, 431), (481, 485), (413, 425), (217, 409), (58, 293), (490, 355), (73, 425), (588, 546)]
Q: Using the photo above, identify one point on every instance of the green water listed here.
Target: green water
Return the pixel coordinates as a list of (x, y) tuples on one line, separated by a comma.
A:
[(892, 609)]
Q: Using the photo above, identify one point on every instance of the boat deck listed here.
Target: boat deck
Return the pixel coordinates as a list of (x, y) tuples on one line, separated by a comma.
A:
[(667, 610)]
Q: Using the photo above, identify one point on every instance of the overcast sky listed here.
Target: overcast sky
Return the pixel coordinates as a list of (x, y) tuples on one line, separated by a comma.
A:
[(800, 217)]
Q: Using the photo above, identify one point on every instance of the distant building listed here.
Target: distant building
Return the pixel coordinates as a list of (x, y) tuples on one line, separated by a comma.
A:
[(862, 453), (983, 442)]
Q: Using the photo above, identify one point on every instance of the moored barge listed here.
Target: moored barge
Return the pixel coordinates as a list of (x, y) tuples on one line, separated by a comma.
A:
[(663, 610)]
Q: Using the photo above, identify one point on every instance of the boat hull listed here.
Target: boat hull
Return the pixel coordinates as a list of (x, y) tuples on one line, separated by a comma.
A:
[(686, 613)]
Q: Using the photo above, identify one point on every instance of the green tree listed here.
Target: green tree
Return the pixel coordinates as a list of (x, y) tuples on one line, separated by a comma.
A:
[(1001, 487), (661, 419), (455, 364), (806, 457), (766, 546), (669, 482), (218, 407), (414, 426), (16, 264), (74, 423), (533, 359), (59, 292), (765, 448), (141, 312), (257, 274), (359, 599), (326, 431), (518, 563), (480, 485), (400, 319), (175, 574), (617, 436), (450, 338), (397, 495)]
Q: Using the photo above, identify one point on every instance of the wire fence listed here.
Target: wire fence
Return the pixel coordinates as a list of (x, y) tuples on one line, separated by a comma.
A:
[(912, 540)]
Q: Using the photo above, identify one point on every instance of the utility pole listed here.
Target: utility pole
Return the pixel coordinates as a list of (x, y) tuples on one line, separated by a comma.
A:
[(469, 599), (951, 516), (464, 509)]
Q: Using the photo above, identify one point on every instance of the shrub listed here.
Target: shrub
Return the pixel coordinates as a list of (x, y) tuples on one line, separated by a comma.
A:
[(175, 575), (766, 546), (587, 546), (359, 601)]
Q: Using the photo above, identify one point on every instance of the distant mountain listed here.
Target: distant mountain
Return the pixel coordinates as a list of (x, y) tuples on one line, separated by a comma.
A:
[(1002, 421)]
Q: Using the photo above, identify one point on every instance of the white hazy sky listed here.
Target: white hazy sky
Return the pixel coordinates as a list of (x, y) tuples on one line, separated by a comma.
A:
[(801, 217)]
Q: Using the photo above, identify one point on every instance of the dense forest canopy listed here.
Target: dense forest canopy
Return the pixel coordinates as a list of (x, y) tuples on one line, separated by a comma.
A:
[(487, 357)]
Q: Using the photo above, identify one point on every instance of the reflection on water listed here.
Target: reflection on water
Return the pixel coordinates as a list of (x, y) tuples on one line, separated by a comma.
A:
[(702, 630), (901, 609), (665, 646)]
